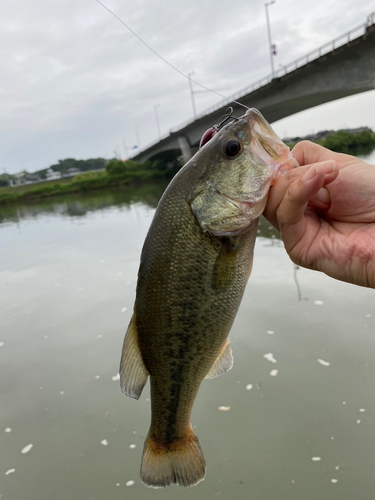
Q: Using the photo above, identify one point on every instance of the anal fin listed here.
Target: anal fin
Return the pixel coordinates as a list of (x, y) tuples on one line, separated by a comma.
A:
[(133, 373), (223, 363)]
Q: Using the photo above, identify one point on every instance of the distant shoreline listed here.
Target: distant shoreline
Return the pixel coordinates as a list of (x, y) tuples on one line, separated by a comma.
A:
[(120, 173), (31, 193)]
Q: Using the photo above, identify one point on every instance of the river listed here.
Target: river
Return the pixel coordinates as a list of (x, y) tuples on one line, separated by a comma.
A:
[(294, 419)]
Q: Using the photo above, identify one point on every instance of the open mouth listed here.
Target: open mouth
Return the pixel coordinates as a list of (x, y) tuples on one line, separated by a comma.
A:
[(266, 147)]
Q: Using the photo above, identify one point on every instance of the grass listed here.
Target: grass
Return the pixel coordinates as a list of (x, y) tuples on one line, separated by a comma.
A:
[(83, 183)]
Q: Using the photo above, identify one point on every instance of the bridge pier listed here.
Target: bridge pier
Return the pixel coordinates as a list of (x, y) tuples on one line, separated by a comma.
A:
[(185, 147)]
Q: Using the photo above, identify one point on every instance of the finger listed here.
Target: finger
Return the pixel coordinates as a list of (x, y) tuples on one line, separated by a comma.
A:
[(291, 211), (277, 192), (307, 152)]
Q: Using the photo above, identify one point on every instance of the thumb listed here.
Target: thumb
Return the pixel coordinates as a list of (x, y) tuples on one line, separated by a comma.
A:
[(291, 212)]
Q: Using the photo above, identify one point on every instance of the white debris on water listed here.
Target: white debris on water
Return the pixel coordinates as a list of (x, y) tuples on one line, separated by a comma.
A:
[(124, 309), (344, 402), (270, 357), (62, 392), (362, 410), (270, 332), (368, 315), (97, 376), (99, 336), (8, 429), (104, 442), (316, 459), (323, 363), (116, 377), (318, 302), (26, 449), (129, 483), (1, 344), (117, 484), (10, 471), (224, 408), (334, 481), (249, 387), (273, 373), (337, 467), (358, 421), (132, 446)]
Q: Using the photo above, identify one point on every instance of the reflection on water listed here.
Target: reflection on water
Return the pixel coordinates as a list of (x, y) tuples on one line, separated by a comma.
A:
[(80, 205), (300, 398)]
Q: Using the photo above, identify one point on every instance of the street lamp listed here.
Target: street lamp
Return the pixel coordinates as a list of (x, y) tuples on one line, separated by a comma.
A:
[(137, 136), (192, 93), (269, 36), (157, 118)]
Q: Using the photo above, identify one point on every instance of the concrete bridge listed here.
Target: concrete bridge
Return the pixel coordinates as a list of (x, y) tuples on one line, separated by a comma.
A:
[(342, 67)]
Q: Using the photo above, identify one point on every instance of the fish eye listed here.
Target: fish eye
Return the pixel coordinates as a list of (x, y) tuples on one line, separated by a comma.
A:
[(232, 147)]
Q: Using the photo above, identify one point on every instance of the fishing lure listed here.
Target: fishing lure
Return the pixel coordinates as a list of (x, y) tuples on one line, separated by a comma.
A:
[(208, 135)]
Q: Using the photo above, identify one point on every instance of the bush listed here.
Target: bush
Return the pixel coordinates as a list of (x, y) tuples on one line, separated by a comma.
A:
[(345, 142), (116, 167)]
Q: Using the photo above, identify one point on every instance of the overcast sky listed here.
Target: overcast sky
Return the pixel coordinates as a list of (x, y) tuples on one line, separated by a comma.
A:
[(75, 83)]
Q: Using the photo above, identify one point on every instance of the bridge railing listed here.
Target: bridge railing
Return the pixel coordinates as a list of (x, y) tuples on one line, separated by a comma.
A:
[(288, 68), (301, 61)]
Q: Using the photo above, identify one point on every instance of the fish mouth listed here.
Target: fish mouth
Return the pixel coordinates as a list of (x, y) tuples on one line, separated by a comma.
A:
[(266, 147)]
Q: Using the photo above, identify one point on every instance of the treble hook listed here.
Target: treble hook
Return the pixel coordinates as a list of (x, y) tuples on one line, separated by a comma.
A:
[(225, 119), (208, 135)]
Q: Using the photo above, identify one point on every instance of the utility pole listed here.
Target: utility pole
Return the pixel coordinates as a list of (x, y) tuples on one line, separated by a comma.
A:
[(157, 119), (137, 136), (192, 93), (271, 48)]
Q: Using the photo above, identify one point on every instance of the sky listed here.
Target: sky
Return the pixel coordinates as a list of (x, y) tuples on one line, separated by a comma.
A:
[(75, 83)]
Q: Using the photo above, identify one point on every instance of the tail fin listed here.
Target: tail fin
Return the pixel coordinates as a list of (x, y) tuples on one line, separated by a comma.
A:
[(180, 462)]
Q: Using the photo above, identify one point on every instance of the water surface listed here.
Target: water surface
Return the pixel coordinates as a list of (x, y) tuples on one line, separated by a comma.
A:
[(294, 419)]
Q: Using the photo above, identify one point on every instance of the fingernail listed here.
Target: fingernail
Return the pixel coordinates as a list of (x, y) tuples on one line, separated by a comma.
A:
[(311, 173), (324, 196)]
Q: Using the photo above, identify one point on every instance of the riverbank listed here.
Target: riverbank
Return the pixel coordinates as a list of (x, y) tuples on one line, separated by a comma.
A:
[(356, 142), (83, 183), (119, 174)]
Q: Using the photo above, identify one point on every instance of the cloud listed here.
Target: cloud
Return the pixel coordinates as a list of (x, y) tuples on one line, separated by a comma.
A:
[(75, 82)]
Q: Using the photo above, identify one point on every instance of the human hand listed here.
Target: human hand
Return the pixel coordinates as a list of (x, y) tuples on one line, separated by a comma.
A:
[(325, 213)]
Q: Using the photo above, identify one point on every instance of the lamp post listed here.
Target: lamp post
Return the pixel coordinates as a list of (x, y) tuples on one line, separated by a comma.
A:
[(192, 93), (269, 36), (157, 119), (137, 136)]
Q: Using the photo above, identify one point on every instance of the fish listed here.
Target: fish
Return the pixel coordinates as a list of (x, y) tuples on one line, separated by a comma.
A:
[(194, 267)]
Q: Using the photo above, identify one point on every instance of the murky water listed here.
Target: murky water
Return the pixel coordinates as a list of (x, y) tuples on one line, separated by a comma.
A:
[(297, 417)]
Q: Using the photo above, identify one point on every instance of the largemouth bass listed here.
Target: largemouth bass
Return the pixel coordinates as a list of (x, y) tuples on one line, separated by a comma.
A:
[(195, 263)]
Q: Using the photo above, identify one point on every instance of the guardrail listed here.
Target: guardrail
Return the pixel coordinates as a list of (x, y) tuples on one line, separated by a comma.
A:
[(301, 61), (288, 68)]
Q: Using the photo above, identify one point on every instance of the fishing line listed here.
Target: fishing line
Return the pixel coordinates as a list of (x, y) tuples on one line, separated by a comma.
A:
[(162, 58)]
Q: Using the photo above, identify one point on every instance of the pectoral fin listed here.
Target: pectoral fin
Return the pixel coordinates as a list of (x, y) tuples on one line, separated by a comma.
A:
[(133, 373), (223, 363)]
